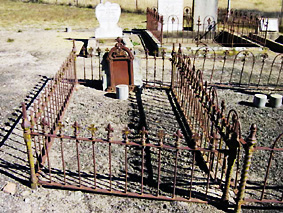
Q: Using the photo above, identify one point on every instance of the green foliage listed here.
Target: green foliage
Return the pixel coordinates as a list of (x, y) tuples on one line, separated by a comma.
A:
[(135, 43)]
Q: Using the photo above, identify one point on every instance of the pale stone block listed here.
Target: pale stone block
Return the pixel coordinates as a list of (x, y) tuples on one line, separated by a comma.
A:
[(122, 92)]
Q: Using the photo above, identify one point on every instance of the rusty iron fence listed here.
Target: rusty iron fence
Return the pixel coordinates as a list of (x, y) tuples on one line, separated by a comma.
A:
[(154, 23), (244, 69), (233, 29), (209, 162), (212, 129), (154, 70), (48, 110)]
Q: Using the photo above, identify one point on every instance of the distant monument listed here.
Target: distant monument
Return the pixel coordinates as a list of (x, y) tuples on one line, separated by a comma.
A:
[(108, 16), (172, 12), (206, 11)]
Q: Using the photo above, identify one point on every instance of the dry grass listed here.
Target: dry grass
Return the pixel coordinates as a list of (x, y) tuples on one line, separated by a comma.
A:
[(130, 5), (17, 14), (20, 15)]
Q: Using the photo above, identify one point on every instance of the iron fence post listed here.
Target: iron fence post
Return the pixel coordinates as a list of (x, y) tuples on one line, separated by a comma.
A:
[(249, 148), (26, 125), (233, 146), (74, 50)]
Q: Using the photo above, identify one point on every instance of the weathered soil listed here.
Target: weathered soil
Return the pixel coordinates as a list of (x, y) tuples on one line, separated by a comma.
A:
[(33, 56), (37, 54)]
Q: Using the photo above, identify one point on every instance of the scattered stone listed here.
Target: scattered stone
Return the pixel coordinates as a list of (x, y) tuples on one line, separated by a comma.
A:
[(10, 188), (25, 193)]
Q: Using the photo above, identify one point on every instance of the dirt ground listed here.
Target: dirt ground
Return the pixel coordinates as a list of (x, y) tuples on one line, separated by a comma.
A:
[(26, 59)]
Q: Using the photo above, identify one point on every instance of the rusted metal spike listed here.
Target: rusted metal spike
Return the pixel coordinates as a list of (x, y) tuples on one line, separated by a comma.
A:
[(92, 130), (143, 133), (90, 51), (60, 126), (178, 136), (161, 134), (98, 50), (76, 128), (126, 133), (109, 130)]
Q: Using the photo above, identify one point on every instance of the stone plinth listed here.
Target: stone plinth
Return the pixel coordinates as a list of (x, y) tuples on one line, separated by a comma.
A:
[(122, 92), (259, 100)]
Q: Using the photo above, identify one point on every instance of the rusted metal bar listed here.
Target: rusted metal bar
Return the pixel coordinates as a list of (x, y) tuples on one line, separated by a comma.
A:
[(91, 61), (249, 148), (61, 126), (143, 133), (269, 164), (76, 133), (161, 135), (93, 129), (154, 71), (27, 138), (98, 50), (178, 136), (264, 57), (109, 130), (126, 132), (46, 143)]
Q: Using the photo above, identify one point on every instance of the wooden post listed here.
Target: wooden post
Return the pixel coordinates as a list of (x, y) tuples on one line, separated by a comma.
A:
[(26, 125)]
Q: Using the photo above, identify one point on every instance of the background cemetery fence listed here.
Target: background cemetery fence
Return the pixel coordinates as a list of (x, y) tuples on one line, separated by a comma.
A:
[(236, 29), (216, 156)]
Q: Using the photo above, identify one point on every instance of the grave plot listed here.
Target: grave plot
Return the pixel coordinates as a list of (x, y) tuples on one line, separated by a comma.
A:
[(153, 170), (172, 142)]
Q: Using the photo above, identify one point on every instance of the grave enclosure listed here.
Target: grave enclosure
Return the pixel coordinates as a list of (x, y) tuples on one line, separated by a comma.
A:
[(203, 159)]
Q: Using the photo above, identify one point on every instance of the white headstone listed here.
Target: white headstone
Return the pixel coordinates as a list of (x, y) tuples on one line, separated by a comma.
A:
[(172, 12), (108, 16), (270, 23), (206, 11)]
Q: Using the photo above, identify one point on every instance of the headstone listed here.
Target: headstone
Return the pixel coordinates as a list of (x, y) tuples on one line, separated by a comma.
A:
[(172, 12), (120, 65), (108, 16), (271, 24), (206, 12)]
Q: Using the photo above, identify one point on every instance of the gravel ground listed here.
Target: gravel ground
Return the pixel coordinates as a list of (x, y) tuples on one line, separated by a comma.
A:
[(24, 62), (38, 53)]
